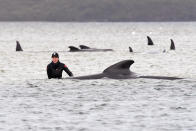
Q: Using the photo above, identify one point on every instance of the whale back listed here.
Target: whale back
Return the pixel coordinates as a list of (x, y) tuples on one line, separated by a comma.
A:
[(150, 42), (18, 46)]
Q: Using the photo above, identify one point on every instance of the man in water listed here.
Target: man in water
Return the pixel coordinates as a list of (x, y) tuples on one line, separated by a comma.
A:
[(55, 68)]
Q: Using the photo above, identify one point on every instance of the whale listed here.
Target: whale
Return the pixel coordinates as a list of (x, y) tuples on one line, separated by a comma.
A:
[(121, 70), (18, 46), (172, 46), (84, 48), (150, 42)]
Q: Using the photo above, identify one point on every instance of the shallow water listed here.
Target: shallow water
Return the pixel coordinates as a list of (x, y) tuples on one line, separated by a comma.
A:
[(29, 101)]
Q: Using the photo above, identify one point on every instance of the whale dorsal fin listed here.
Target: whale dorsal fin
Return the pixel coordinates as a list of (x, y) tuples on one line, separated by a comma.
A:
[(84, 47), (18, 46), (130, 49), (172, 46), (150, 42), (73, 48), (120, 67)]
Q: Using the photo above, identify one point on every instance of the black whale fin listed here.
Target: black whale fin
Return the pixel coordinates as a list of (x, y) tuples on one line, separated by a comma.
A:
[(150, 42), (119, 68), (73, 48), (130, 49), (172, 46), (84, 47), (18, 47)]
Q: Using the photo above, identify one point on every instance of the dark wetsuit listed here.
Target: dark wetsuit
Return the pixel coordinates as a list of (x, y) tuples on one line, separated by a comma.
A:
[(55, 70)]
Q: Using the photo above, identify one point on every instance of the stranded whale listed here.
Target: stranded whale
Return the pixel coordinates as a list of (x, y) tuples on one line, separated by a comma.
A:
[(84, 48), (121, 70)]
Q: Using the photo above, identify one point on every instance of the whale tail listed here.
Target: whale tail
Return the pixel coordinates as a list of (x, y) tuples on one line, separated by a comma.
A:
[(150, 42), (172, 46), (73, 48), (84, 47), (18, 46), (130, 49)]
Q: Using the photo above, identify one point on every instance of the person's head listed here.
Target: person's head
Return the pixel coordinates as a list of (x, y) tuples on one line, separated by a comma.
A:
[(55, 57)]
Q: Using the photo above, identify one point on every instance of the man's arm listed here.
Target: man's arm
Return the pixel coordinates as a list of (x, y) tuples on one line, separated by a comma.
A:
[(65, 68), (49, 73)]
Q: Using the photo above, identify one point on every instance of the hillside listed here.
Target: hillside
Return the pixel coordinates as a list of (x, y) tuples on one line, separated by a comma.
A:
[(97, 10)]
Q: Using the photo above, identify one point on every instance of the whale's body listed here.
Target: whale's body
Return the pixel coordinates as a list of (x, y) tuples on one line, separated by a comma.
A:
[(84, 48), (121, 70)]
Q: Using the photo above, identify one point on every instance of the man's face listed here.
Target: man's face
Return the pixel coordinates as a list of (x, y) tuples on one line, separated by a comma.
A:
[(55, 59)]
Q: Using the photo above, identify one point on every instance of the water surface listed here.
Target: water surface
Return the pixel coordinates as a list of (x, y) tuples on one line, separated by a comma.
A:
[(29, 101)]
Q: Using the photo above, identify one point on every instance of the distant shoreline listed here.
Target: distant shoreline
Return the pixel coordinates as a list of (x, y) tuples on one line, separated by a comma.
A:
[(101, 21)]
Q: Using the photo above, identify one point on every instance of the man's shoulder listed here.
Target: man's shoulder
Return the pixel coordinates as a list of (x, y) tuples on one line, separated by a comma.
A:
[(49, 64), (62, 64)]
